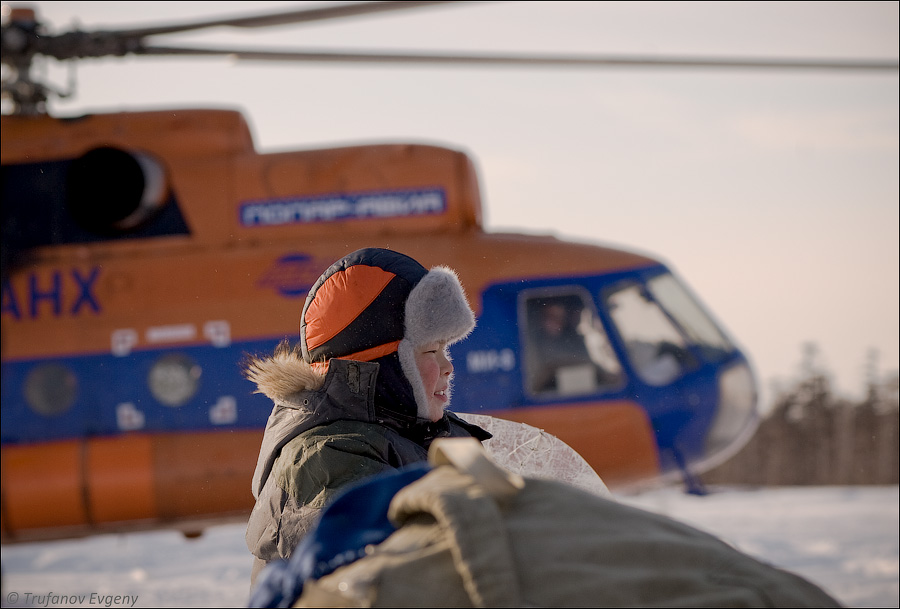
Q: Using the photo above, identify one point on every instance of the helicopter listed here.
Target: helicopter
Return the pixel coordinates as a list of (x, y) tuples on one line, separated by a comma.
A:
[(127, 282)]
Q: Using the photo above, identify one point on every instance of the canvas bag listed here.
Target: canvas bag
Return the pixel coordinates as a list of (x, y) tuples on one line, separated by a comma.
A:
[(470, 534)]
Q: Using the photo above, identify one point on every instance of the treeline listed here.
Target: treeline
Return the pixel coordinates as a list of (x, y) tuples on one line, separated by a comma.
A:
[(813, 437)]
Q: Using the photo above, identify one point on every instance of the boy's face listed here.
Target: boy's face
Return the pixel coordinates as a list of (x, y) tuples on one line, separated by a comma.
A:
[(435, 370)]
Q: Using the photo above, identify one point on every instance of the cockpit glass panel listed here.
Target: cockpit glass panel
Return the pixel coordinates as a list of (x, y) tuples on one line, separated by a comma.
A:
[(696, 324), (656, 349), (567, 351)]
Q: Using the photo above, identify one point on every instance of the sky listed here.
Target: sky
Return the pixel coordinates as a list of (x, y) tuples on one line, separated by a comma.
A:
[(843, 539), (774, 196)]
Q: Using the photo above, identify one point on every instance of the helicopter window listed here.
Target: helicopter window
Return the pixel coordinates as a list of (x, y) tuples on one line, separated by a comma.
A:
[(700, 329), (174, 379), (51, 389), (566, 348), (655, 347)]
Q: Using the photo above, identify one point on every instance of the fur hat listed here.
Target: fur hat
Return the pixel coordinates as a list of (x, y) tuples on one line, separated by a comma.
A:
[(379, 305)]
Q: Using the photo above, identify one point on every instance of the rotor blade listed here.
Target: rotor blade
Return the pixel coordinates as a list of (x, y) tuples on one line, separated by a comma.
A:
[(280, 18), (522, 60)]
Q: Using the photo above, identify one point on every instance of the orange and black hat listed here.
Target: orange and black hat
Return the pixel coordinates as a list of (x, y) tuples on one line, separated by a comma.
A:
[(361, 307), (378, 305)]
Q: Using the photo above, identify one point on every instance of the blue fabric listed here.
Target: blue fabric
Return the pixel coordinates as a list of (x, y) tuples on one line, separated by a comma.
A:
[(357, 518)]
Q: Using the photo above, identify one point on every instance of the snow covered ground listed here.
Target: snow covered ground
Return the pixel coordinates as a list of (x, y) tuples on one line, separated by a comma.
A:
[(845, 539)]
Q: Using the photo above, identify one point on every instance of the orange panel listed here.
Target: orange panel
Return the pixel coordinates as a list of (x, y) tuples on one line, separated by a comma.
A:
[(354, 169), (130, 482), (120, 479), (42, 486), (614, 437), (205, 474), (174, 134)]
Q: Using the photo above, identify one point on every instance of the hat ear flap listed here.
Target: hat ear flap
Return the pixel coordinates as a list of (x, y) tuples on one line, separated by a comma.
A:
[(437, 309), (407, 354)]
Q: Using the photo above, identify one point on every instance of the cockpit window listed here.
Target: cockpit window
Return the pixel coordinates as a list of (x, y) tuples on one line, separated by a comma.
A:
[(567, 351), (657, 350), (695, 323)]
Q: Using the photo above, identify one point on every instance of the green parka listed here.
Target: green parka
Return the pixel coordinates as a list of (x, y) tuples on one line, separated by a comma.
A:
[(324, 433)]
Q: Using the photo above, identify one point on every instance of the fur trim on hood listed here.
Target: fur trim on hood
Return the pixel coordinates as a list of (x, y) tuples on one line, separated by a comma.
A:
[(284, 373)]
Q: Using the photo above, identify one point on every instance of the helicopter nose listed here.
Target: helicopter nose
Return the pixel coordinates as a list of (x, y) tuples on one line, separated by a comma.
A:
[(737, 416)]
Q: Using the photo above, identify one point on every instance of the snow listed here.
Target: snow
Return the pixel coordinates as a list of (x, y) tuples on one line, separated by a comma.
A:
[(845, 539)]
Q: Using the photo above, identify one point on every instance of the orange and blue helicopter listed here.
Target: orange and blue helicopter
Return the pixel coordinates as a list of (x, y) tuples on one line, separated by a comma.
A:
[(145, 253)]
